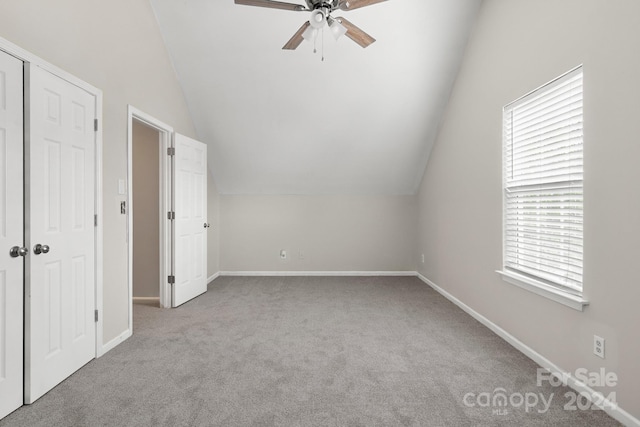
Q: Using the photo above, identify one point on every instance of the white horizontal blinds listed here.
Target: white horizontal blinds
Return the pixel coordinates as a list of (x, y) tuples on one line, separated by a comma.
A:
[(543, 183)]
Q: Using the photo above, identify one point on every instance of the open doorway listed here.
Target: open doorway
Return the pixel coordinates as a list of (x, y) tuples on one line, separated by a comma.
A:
[(146, 211), (181, 212), (149, 201)]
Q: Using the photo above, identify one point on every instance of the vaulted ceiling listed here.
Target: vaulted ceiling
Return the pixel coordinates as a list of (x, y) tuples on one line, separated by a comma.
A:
[(362, 121)]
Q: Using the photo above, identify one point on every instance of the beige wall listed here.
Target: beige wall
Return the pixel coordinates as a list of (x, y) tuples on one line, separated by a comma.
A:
[(333, 233), (146, 211), (517, 46), (213, 238), (116, 46)]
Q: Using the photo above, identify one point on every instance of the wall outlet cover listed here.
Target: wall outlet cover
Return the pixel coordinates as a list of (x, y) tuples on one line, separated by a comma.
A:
[(598, 346)]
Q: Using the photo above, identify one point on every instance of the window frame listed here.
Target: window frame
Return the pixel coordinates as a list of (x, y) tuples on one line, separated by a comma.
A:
[(563, 294)]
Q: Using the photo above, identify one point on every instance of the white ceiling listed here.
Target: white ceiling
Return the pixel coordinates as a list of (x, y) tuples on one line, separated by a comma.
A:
[(284, 122)]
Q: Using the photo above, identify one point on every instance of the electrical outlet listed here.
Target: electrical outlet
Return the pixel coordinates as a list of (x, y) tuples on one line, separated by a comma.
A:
[(301, 256), (598, 346), (283, 254), (423, 258)]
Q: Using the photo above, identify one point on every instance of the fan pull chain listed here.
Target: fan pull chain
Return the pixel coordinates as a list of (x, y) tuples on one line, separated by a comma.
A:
[(322, 44), (315, 42)]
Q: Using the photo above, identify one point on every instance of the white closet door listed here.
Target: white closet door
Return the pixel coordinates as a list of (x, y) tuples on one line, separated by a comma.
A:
[(60, 333), (190, 229), (11, 234)]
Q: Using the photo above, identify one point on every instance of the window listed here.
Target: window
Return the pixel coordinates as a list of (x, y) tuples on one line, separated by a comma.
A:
[(543, 172)]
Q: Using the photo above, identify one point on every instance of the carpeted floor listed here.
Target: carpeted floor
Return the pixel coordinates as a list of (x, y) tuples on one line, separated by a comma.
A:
[(309, 351)]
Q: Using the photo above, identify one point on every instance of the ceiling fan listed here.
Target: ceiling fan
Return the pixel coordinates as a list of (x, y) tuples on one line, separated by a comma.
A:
[(321, 16)]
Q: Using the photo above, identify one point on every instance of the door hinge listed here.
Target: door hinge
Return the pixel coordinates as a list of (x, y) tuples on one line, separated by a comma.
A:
[(95, 220), (171, 151), (172, 280), (95, 125), (171, 215), (96, 316)]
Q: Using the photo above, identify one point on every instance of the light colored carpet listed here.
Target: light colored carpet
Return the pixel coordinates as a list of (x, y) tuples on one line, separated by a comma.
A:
[(303, 352)]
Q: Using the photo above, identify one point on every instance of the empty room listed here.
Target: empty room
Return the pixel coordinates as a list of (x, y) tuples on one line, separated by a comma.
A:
[(319, 213)]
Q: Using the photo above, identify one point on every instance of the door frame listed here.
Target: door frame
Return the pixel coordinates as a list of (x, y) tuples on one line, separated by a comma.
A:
[(166, 137), (28, 58)]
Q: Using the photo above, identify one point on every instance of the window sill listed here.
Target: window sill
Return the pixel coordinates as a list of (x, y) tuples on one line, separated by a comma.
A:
[(570, 300)]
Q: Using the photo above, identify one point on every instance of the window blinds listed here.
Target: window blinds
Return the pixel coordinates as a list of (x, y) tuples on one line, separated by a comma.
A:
[(543, 161)]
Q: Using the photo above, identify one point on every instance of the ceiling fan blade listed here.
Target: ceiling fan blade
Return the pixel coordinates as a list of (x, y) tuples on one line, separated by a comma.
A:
[(297, 38), (272, 4), (356, 4), (356, 34)]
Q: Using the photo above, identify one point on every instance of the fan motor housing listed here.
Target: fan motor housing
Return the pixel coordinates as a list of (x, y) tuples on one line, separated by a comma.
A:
[(326, 4)]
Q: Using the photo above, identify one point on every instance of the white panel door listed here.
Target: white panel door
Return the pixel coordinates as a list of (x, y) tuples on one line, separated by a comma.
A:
[(11, 234), (60, 335), (190, 229)]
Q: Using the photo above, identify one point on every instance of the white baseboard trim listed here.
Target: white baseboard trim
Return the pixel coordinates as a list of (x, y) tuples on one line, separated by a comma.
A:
[(114, 342), (611, 408), (213, 277), (318, 273)]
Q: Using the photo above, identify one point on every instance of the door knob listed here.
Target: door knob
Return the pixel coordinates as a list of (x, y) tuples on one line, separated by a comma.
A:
[(17, 251), (40, 249)]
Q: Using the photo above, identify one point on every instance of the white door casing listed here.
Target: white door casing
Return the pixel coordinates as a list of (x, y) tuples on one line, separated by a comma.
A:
[(166, 205), (190, 206), (11, 233), (60, 333)]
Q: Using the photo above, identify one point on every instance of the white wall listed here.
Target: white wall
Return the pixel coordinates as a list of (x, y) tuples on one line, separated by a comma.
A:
[(518, 45), (116, 46), (333, 233), (146, 211)]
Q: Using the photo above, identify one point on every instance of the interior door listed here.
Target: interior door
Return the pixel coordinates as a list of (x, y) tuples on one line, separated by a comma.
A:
[(60, 331), (12, 251), (190, 227)]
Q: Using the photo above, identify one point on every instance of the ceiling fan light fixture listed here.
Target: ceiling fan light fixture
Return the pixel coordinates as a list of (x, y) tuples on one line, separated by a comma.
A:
[(318, 19), (310, 34), (337, 29)]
